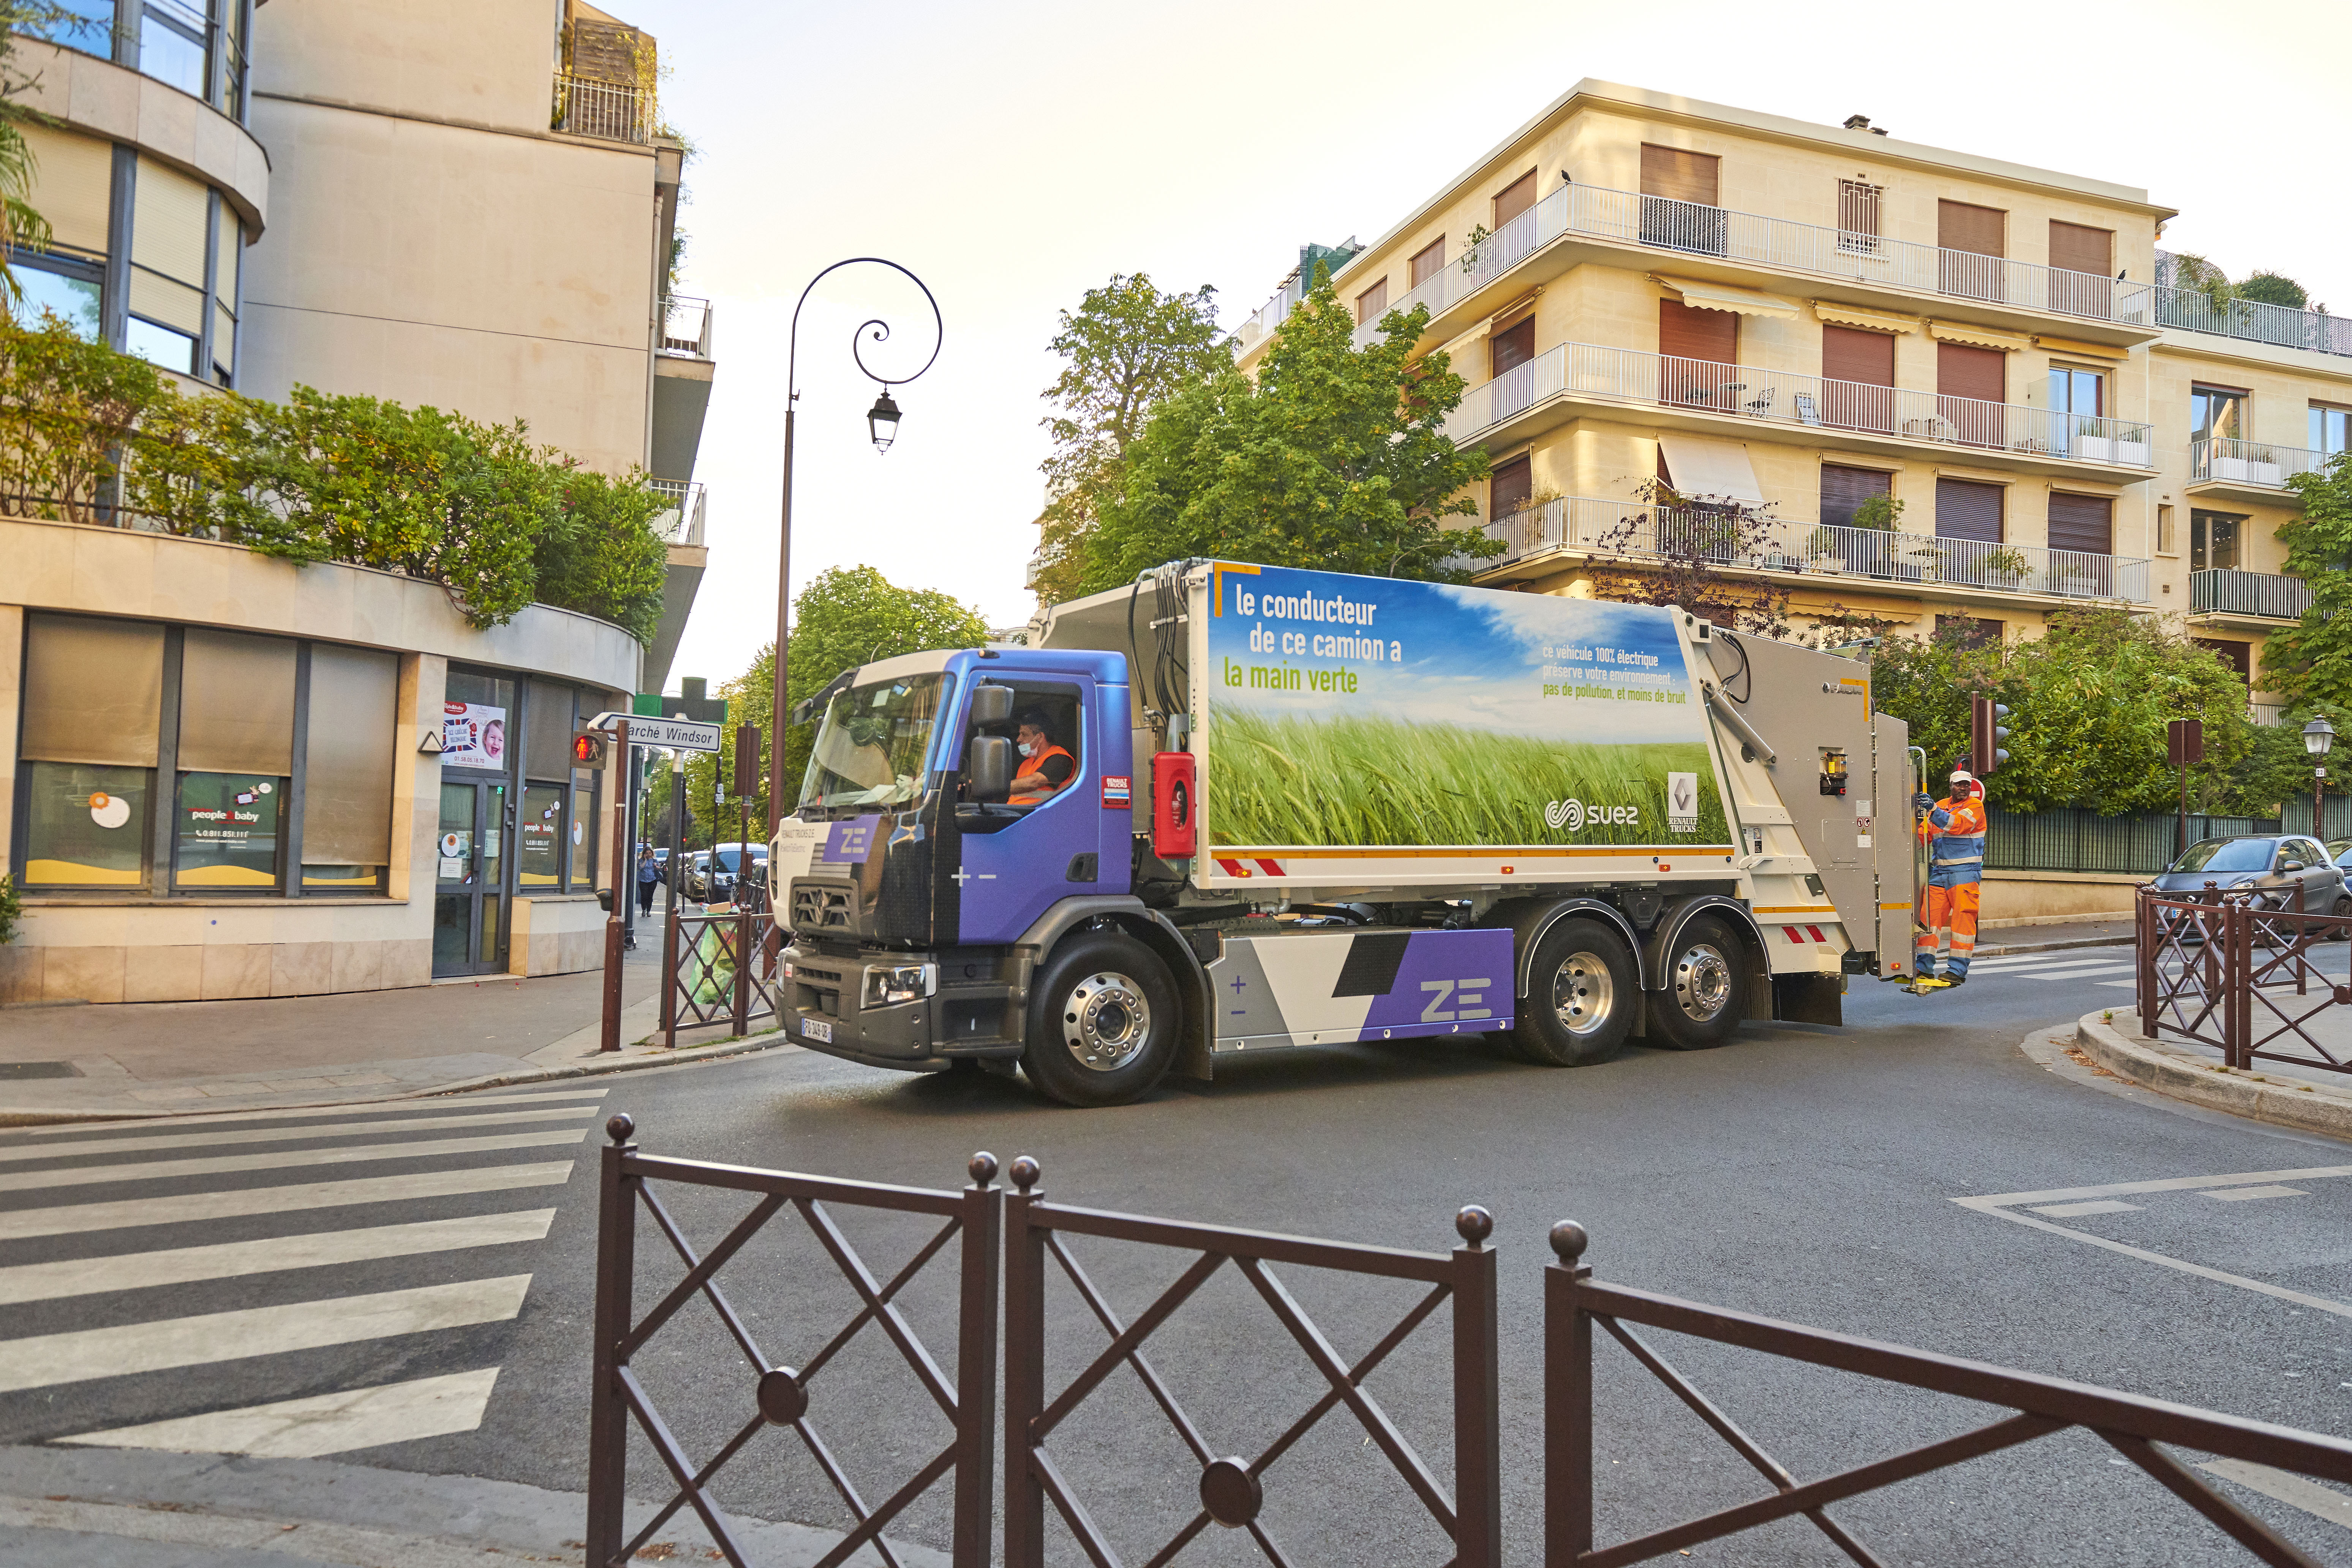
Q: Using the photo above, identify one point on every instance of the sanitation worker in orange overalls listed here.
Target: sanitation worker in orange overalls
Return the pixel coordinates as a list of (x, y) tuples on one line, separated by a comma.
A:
[(1954, 828)]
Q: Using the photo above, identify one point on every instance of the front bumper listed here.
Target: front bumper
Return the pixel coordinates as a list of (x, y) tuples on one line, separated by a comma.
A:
[(976, 1011)]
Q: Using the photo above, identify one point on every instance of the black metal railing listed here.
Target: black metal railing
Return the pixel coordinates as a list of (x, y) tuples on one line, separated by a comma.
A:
[(2223, 971), (720, 969), (781, 1395)]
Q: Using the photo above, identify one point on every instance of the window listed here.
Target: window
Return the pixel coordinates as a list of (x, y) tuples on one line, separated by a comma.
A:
[(1515, 198), (2082, 260), (84, 25), (1372, 303), (2238, 655), (2166, 545), (1858, 216), (1966, 509), (1680, 175), (1970, 631), (2213, 541), (2082, 523), (539, 839), (72, 296), (2073, 391), (1425, 264), (1509, 491), (2217, 414), (1859, 368), (1970, 241), (92, 710), (1843, 490), (235, 757), (1046, 720), (1679, 200), (1971, 386), (171, 227), (1699, 351), (1512, 347), (354, 709), (171, 44), (2329, 428), (474, 720)]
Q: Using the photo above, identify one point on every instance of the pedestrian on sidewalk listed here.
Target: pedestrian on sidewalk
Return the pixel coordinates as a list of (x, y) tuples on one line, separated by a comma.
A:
[(648, 879)]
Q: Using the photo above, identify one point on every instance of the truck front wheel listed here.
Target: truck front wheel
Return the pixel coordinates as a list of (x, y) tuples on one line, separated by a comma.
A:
[(1103, 1021), (1706, 992), (1581, 993)]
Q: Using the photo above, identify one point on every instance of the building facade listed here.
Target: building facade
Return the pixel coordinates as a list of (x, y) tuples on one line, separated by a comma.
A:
[(1666, 309), (226, 775)]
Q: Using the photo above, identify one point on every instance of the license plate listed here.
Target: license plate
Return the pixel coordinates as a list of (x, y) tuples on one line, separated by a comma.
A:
[(816, 1031)]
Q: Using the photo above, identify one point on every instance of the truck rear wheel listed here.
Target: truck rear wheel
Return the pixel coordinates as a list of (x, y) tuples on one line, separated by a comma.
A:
[(1706, 992), (1581, 993), (1103, 1022)]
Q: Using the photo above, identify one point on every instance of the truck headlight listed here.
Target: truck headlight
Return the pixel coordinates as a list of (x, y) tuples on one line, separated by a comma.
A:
[(888, 987)]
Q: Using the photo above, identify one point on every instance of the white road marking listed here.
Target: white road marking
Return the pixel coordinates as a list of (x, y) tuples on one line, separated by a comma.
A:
[(2029, 960), (287, 1134), (2317, 1304), (2165, 1184), (72, 1219), (325, 1423), (45, 1361), (384, 1107), (2247, 1194), (236, 1259), (2097, 1206), (217, 1164), (2285, 1486)]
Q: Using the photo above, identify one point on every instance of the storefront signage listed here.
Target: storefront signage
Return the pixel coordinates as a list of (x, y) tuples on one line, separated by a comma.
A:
[(473, 735)]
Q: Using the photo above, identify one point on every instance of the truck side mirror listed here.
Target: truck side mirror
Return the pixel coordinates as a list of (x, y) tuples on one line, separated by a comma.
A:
[(989, 761), (991, 705)]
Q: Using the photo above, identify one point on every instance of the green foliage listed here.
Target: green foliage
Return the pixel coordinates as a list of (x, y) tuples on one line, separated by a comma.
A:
[(2273, 288), (1333, 458), (2312, 660), (846, 617), (497, 523), (21, 227), (2264, 287), (1881, 513), (12, 909), (2089, 704), (1126, 350)]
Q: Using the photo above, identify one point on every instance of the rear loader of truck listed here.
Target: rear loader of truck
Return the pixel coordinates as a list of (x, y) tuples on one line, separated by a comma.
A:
[(1264, 808)]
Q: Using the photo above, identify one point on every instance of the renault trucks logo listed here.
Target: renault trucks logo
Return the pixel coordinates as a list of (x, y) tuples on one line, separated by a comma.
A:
[(1572, 815), (1682, 803)]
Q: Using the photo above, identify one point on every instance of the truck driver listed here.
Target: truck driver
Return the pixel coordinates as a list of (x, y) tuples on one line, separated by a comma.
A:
[(1045, 768)]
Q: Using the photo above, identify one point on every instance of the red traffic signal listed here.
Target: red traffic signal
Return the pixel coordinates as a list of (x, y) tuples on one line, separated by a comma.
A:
[(588, 749)]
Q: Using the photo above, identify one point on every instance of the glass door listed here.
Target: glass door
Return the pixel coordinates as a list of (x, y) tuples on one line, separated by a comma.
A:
[(469, 889)]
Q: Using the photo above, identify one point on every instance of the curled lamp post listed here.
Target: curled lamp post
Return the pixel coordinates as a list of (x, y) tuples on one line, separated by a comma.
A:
[(2317, 737), (882, 423)]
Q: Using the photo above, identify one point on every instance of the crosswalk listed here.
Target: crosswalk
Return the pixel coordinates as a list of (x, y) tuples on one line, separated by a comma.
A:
[(160, 1277), (2109, 968)]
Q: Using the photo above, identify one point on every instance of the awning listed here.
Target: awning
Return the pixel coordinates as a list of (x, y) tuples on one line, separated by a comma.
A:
[(1868, 320), (1724, 297), (2080, 349), (1982, 337), (1698, 466)]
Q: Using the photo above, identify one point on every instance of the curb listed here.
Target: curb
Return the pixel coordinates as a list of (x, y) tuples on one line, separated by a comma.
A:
[(1987, 951), (2317, 1108), (717, 1052)]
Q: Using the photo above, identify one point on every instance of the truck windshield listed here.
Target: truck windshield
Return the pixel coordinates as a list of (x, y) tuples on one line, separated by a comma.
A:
[(869, 750)]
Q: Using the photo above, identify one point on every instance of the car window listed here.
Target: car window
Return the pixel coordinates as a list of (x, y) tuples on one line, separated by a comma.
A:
[(2228, 855)]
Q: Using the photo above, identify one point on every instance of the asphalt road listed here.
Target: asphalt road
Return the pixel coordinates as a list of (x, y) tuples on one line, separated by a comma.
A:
[(1812, 1174)]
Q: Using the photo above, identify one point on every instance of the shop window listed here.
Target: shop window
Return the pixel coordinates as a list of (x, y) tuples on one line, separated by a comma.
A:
[(354, 709), (539, 849), (579, 855), (236, 760), (86, 827), (473, 723), (228, 831), (92, 709)]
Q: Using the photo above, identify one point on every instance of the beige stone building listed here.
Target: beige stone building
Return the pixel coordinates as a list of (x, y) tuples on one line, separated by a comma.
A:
[(1653, 298), (230, 776)]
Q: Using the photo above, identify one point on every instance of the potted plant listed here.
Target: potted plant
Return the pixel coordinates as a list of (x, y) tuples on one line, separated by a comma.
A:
[(1877, 514), (2004, 567)]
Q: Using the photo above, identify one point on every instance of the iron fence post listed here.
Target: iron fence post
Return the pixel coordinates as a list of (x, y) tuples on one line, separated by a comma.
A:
[(1025, 1368), (2144, 968), (608, 1416), (669, 961), (1477, 1411), (742, 956), (975, 1467), (1568, 1400)]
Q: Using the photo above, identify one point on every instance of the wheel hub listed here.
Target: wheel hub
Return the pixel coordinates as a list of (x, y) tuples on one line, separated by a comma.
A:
[(1105, 1021), (1702, 983), (1582, 994)]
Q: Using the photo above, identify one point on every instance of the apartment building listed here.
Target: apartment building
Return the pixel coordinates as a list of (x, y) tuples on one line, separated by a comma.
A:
[(1658, 303), (226, 775)]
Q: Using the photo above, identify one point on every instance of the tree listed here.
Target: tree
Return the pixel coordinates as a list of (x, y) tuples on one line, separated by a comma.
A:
[(1679, 548), (1126, 350), (1332, 457), (846, 617), (21, 227), (2312, 660), (2273, 288), (2089, 705)]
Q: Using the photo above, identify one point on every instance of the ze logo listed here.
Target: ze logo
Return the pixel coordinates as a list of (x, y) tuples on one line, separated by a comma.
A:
[(1464, 994)]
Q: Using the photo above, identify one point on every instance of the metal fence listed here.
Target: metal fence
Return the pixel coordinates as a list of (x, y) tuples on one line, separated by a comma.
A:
[(720, 969), (610, 110), (686, 326), (2224, 970), (1781, 397), (2263, 463), (2072, 838), (2233, 593), (2195, 310), (681, 522)]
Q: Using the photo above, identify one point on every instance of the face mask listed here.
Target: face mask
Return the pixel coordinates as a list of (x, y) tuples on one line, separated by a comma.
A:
[(1027, 749)]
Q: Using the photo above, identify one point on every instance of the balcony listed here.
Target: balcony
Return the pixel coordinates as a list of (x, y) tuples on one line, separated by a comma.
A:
[(2264, 598), (1870, 262), (681, 522), (1702, 393), (612, 110), (683, 372), (1859, 557), (2250, 470), (2194, 310), (686, 326)]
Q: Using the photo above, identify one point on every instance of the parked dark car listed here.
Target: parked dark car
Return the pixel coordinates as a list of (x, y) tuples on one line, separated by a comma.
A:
[(712, 880), (2286, 872)]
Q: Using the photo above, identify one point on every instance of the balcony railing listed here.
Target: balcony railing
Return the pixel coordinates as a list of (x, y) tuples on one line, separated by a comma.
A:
[(686, 326), (1627, 375), (607, 109), (2193, 309), (681, 522), (1631, 528), (2253, 462), (2265, 594), (1659, 223)]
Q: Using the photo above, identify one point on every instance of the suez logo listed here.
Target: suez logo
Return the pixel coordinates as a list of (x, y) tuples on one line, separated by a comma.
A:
[(1682, 810)]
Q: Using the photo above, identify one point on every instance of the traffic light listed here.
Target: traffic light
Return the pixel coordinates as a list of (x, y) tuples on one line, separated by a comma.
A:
[(1988, 731), (588, 749)]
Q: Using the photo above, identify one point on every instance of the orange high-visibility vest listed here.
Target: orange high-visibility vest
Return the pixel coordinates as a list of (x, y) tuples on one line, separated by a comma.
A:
[(1038, 761)]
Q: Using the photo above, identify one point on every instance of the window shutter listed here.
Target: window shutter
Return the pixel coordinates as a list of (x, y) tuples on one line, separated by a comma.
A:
[(73, 184), (1515, 198), (1979, 230), (170, 215), (1849, 353), (1963, 370), (229, 243), (1425, 265), (1514, 483), (1966, 510), (347, 782), (2080, 249), (1843, 490), (1686, 333), (237, 703), (1514, 346), (1372, 303), (1678, 175), (2082, 523), (2238, 655), (93, 691)]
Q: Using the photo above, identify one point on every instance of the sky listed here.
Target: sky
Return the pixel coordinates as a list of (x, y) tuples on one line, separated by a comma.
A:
[(1015, 154)]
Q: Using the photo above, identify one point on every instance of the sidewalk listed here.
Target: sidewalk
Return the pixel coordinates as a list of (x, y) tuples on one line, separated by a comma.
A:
[(2111, 931), (2286, 1093), (127, 1059)]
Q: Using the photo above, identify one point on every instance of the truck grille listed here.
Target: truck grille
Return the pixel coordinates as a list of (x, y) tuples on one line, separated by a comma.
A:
[(821, 907)]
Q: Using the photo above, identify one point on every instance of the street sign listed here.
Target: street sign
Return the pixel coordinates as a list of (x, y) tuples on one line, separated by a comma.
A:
[(673, 735)]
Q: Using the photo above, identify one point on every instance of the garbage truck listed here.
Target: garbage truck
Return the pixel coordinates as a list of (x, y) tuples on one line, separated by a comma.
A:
[(1235, 808)]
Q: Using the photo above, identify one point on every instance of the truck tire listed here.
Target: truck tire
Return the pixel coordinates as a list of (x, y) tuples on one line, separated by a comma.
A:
[(1581, 993), (1103, 1021), (1705, 991)]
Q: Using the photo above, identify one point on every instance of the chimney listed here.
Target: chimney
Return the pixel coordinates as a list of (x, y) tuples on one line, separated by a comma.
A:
[(1861, 122)]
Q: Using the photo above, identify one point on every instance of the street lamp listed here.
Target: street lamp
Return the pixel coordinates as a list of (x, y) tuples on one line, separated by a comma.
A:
[(2318, 736), (882, 425)]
